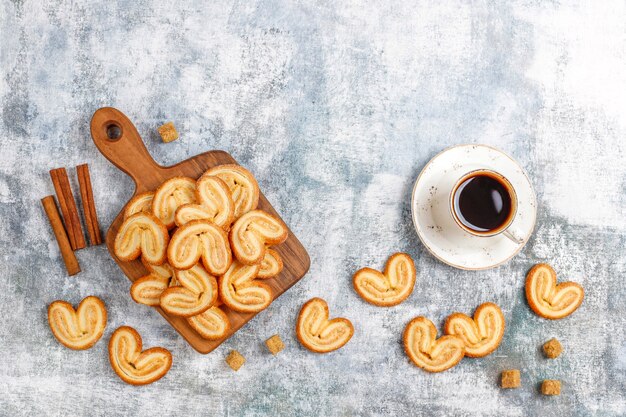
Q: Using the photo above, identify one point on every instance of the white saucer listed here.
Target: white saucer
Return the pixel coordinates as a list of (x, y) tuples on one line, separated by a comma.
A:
[(433, 220)]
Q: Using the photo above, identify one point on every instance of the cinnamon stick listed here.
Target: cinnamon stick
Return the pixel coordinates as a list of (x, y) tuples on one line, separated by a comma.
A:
[(71, 263), (89, 206), (68, 207)]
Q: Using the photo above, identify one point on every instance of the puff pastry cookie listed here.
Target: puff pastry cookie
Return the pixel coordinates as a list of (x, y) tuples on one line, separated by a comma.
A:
[(139, 203), (426, 351), (131, 364), (195, 293), (319, 334), (241, 292), (214, 195), (271, 265), (148, 289), (243, 186), (164, 270), (213, 324), (172, 194), (142, 234), (251, 233), (549, 300), (389, 288), (482, 334), (200, 239), (78, 329)]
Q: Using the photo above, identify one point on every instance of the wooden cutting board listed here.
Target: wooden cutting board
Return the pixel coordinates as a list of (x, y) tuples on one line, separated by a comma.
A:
[(118, 140)]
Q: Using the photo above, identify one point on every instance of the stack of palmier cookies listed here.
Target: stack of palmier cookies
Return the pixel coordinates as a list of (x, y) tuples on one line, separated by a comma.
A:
[(205, 245)]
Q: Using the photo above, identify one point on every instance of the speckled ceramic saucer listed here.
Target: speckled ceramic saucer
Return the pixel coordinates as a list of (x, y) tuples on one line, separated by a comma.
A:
[(433, 219)]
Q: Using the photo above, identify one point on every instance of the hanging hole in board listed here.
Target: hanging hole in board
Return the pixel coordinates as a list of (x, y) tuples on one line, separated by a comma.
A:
[(114, 131)]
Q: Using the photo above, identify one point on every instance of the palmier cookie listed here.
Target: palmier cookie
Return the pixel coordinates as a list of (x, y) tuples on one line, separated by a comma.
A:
[(131, 364), (172, 194), (549, 300), (139, 203), (164, 270), (78, 329), (195, 293), (214, 195), (200, 239), (389, 288), (426, 351), (142, 234), (241, 292), (243, 186), (251, 233), (148, 289), (213, 324), (319, 334), (271, 265), (482, 334)]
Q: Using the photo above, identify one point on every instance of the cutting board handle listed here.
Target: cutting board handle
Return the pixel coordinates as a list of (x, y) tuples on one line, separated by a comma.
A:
[(118, 140)]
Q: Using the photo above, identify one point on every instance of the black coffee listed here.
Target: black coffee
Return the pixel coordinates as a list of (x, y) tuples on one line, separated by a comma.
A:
[(483, 203)]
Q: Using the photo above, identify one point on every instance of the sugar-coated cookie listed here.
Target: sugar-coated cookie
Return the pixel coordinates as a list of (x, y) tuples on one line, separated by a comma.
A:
[(252, 232), (241, 291), (481, 334), (78, 329), (390, 287), (142, 234), (243, 186), (170, 195), (131, 364), (200, 239), (213, 324), (271, 265), (319, 334), (195, 293), (549, 300), (426, 351), (139, 203)]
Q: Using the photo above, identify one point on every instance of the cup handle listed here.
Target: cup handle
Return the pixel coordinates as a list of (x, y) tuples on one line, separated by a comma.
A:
[(515, 235)]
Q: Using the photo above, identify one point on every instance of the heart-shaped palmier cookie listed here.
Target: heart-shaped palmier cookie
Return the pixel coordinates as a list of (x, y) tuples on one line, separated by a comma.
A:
[(78, 329), (549, 300), (148, 289), (213, 324), (426, 351), (271, 265), (389, 288), (195, 293), (243, 187), (139, 203), (481, 334), (200, 239), (214, 195), (240, 291), (319, 334), (170, 195), (142, 234), (131, 364), (251, 233)]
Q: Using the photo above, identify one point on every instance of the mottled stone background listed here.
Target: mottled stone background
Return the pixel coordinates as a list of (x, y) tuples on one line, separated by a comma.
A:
[(335, 106)]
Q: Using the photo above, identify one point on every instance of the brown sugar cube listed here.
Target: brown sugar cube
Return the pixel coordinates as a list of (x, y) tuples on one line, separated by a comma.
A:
[(235, 360), (168, 132), (551, 387), (275, 344), (510, 378), (552, 348)]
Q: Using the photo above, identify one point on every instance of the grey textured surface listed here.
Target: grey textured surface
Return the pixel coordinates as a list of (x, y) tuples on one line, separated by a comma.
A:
[(335, 106)]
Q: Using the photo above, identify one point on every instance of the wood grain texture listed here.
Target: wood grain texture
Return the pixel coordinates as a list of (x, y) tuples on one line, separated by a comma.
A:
[(130, 155)]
